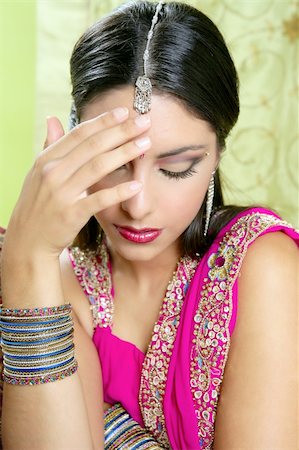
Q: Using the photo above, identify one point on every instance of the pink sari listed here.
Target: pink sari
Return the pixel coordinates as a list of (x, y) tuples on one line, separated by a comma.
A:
[(183, 413), (180, 376)]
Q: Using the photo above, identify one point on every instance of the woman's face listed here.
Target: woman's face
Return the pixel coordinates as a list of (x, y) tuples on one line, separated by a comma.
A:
[(174, 185)]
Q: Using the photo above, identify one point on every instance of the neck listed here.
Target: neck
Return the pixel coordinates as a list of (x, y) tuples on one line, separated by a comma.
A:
[(145, 274)]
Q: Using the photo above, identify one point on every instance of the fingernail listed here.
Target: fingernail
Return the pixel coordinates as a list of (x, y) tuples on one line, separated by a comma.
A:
[(135, 186), (142, 121), (120, 113), (143, 142)]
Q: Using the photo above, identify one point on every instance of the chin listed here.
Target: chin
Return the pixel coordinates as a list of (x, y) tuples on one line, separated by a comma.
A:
[(137, 252)]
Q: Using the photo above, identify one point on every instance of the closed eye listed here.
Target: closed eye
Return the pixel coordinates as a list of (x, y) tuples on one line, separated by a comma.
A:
[(182, 174)]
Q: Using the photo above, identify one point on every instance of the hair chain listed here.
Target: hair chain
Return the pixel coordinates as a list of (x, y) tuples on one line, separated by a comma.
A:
[(150, 35), (143, 85)]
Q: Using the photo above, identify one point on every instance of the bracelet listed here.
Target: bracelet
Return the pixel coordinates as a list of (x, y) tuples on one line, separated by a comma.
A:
[(22, 336), (122, 432), (41, 354), (37, 344), (32, 363), (36, 312), (34, 342), (42, 379), (36, 349), (34, 326)]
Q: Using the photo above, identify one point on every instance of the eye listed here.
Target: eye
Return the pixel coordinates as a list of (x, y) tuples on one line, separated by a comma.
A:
[(183, 174), (177, 175)]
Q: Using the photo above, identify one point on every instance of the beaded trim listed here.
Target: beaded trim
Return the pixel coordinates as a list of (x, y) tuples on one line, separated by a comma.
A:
[(93, 274), (157, 359), (36, 312), (92, 271), (211, 336), (42, 379)]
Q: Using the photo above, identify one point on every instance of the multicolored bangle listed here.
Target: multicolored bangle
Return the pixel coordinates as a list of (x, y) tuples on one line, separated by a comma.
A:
[(37, 344), (122, 432)]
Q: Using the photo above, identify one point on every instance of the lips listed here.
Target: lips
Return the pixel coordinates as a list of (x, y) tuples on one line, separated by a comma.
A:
[(139, 236)]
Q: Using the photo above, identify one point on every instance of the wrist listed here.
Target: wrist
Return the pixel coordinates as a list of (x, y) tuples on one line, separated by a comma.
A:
[(30, 280)]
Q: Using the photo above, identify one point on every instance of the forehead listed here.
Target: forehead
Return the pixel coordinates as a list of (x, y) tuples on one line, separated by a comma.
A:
[(171, 121)]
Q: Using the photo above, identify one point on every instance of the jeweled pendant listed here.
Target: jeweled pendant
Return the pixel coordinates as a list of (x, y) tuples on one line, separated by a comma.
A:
[(143, 95)]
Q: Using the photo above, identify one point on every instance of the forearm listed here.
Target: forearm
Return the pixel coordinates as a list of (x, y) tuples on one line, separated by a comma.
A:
[(50, 416)]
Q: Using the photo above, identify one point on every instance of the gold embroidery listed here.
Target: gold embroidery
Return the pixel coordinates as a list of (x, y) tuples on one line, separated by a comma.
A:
[(92, 270), (156, 362), (211, 337)]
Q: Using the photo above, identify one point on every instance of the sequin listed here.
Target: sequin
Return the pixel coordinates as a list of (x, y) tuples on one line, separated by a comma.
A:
[(156, 363), (214, 313)]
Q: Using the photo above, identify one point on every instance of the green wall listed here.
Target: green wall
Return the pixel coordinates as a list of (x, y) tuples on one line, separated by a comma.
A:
[(17, 98)]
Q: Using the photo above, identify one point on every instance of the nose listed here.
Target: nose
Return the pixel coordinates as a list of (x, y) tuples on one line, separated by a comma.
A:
[(142, 204)]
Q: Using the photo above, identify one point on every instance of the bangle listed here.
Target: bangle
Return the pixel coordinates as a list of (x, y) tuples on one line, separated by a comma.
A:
[(46, 311), (41, 379), (37, 344), (122, 432)]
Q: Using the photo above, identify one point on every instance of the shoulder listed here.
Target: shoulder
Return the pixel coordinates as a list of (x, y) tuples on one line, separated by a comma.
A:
[(253, 238), (267, 284), (259, 385), (269, 253)]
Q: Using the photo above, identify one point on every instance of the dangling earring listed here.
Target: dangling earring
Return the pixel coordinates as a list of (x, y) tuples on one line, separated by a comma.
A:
[(209, 204)]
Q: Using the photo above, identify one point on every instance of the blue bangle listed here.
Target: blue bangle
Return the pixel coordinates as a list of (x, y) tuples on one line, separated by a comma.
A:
[(28, 344), (43, 355), (38, 369), (22, 324)]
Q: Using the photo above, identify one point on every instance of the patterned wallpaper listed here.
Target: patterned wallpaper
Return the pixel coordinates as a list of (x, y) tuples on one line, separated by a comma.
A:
[(260, 164)]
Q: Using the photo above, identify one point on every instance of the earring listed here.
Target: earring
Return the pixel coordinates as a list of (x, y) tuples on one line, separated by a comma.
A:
[(209, 204)]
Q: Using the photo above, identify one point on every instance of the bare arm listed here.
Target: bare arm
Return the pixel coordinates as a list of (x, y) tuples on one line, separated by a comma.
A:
[(54, 205), (55, 413), (258, 401)]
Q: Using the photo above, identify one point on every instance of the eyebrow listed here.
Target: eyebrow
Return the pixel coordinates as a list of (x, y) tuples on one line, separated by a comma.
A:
[(179, 150)]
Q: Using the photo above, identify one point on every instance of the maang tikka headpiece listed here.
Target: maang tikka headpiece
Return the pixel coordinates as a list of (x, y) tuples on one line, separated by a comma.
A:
[(143, 85)]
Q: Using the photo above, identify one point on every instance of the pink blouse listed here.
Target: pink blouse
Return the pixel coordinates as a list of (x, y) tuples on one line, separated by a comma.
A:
[(121, 364)]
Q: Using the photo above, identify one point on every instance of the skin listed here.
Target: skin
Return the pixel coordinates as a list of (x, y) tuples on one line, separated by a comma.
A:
[(149, 208), (75, 178)]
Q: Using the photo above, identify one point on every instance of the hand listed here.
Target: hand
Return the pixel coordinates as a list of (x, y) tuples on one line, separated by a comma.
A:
[(54, 203)]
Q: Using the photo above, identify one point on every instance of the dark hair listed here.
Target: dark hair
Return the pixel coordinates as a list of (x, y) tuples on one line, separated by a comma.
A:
[(188, 59)]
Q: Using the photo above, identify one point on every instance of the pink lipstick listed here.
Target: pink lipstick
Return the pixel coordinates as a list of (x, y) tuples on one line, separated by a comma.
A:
[(141, 236)]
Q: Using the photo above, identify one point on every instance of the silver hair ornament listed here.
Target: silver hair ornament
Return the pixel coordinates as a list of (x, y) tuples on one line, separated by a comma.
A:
[(143, 85)]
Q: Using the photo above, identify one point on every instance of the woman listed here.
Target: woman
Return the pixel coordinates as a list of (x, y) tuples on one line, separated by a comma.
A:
[(176, 299)]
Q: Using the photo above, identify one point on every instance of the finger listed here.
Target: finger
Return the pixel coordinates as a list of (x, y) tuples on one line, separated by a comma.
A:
[(97, 168), (99, 143), (86, 129), (55, 131), (100, 200)]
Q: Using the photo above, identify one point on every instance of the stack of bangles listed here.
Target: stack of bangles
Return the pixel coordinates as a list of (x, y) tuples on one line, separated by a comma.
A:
[(37, 344), (122, 432)]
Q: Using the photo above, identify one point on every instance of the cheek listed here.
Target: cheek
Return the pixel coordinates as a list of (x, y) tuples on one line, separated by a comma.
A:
[(185, 200)]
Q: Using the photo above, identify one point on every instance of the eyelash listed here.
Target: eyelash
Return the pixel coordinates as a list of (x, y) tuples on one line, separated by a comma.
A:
[(185, 174), (179, 175)]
